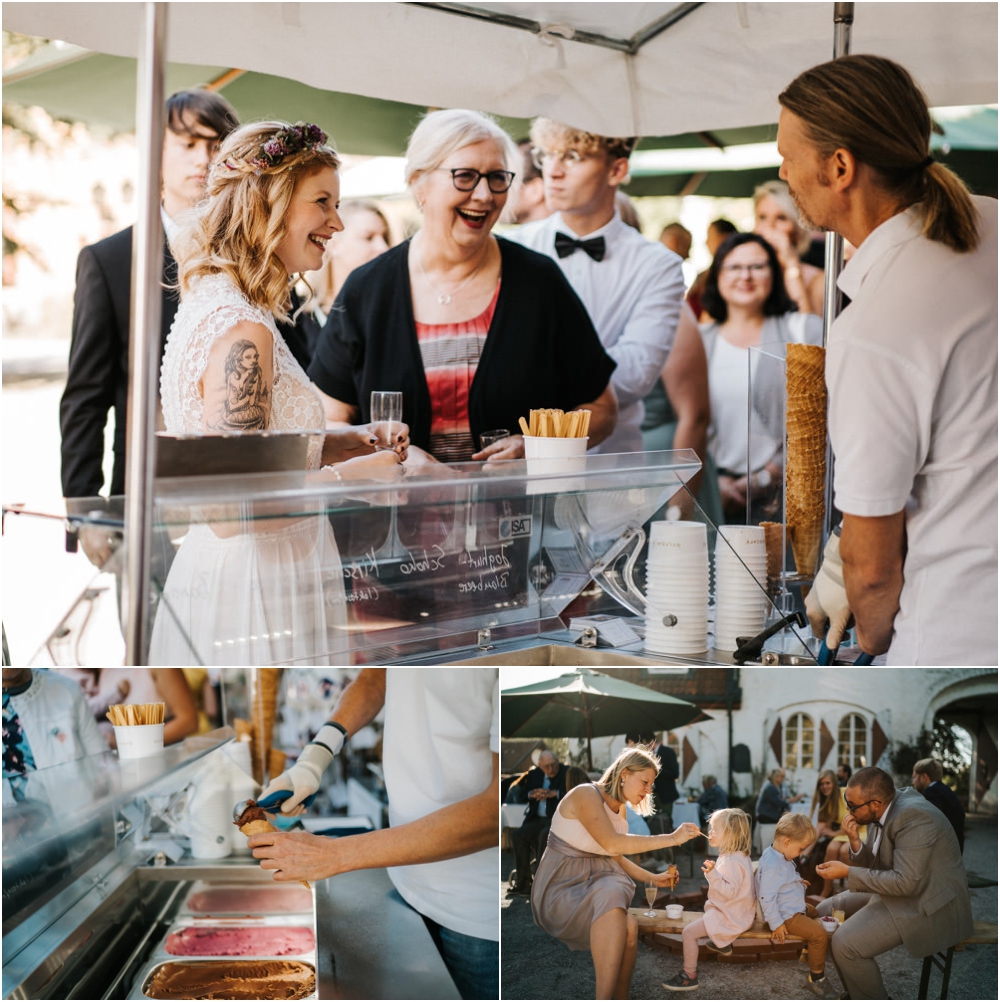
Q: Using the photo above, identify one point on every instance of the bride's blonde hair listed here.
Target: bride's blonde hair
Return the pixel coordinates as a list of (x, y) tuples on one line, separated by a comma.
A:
[(630, 760), (238, 226)]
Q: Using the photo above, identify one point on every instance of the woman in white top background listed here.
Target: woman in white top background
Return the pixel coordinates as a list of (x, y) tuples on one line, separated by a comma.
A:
[(584, 885), (746, 297)]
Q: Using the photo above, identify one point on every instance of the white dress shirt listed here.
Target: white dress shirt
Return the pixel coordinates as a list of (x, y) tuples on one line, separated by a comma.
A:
[(634, 299), (912, 376)]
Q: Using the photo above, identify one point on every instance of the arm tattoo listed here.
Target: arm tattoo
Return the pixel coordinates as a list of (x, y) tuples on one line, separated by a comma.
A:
[(247, 403)]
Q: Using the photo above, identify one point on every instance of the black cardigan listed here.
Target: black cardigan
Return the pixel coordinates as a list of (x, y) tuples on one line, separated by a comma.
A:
[(541, 350)]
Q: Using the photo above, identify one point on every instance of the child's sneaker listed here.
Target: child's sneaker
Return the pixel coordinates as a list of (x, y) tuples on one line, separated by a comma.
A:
[(804, 956), (680, 982), (722, 951), (820, 987)]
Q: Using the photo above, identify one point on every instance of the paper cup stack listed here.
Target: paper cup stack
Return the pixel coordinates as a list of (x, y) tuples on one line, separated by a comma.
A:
[(677, 588), (740, 584)]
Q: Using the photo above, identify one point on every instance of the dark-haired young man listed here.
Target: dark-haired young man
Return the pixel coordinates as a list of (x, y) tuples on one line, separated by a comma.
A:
[(97, 381)]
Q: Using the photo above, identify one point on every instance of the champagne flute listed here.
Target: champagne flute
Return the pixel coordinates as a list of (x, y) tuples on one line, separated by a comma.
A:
[(387, 409), (652, 888)]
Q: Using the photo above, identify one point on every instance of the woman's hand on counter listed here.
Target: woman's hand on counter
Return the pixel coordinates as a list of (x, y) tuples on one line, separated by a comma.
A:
[(511, 447), (344, 442), (296, 855)]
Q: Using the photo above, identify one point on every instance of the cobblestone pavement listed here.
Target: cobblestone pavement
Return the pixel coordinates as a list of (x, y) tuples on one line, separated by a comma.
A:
[(536, 966)]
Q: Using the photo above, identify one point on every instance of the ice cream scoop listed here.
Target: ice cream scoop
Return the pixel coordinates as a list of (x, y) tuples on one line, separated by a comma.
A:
[(251, 819)]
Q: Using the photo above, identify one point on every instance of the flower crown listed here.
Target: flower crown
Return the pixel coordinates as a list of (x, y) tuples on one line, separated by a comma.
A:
[(298, 138)]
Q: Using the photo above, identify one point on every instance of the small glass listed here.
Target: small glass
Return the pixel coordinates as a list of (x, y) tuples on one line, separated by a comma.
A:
[(838, 914), (387, 409), (652, 889), (487, 438)]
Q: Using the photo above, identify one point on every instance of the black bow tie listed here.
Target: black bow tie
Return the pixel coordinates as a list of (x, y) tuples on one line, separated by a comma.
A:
[(565, 245)]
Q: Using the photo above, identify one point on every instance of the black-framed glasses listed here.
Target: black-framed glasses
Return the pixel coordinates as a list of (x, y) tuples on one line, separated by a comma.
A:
[(857, 807), (467, 179)]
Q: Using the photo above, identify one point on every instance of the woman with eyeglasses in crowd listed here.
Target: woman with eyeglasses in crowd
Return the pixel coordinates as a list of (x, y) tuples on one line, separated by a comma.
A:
[(473, 329), (746, 298)]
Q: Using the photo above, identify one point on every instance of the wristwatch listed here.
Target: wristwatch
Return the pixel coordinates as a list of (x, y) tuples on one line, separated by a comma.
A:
[(762, 478)]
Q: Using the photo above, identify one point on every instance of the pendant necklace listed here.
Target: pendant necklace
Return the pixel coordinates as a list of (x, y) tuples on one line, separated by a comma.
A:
[(445, 298)]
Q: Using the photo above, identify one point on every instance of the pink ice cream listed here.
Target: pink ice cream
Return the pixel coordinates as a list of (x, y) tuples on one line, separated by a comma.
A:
[(247, 900), (241, 941)]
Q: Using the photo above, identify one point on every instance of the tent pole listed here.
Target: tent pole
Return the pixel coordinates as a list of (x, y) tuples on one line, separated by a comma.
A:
[(586, 717), (147, 267), (843, 20)]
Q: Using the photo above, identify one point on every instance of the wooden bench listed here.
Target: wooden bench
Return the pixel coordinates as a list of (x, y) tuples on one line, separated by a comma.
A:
[(982, 932)]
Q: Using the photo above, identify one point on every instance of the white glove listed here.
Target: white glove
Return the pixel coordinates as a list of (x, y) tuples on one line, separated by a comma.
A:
[(304, 777), (827, 599)]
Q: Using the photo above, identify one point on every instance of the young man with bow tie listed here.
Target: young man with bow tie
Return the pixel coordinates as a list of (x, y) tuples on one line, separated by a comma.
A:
[(632, 287)]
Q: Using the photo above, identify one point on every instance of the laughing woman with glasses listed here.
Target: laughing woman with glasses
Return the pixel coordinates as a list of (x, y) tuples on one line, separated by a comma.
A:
[(746, 298), (474, 330)]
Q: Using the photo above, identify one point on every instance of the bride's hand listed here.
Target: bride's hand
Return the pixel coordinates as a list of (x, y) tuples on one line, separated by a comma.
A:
[(687, 831), (384, 466), (378, 431)]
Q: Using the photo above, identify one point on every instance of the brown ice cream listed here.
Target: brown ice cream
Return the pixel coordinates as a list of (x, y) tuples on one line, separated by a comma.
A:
[(233, 979)]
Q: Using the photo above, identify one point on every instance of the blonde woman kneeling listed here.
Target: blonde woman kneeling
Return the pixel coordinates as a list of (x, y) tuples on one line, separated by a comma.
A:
[(585, 885)]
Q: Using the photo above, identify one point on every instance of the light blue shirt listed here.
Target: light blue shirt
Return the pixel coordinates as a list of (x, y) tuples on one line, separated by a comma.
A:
[(779, 887), (634, 299), (543, 805)]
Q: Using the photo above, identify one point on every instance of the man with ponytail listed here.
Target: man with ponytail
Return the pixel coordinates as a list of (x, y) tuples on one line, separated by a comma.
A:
[(911, 368)]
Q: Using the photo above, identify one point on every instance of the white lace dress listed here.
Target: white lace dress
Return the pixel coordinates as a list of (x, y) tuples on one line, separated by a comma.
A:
[(272, 593)]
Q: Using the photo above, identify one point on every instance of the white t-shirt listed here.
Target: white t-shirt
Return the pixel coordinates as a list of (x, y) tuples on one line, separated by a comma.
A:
[(633, 296), (912, 377), (442, 726)]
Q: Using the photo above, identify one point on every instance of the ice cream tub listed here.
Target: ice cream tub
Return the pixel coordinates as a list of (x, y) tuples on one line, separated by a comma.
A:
[(259, 978), (249, 899)]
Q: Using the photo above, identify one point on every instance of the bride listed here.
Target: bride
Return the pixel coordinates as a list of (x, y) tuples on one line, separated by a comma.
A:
[(257, 591)]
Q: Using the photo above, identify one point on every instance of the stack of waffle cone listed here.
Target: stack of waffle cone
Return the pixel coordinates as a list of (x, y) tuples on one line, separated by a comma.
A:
[(773, 533), (262, 713), (805, 459)]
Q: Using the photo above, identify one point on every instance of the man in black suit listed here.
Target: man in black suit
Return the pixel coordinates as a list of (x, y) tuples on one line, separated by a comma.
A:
[(97, 381), (545, 785), (927, 775)]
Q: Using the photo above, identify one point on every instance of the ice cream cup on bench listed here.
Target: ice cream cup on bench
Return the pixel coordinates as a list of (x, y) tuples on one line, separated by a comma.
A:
[(675, 911), (139, 741), (829, 923)]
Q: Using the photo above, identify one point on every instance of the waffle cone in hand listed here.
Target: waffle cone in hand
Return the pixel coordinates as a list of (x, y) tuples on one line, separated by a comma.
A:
[(253, 821)]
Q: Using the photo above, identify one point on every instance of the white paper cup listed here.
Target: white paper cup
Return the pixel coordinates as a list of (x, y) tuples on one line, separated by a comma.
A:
[(140, 741), (554, 457), (829, 923), (675, 911), (742, 535), (680, 537)]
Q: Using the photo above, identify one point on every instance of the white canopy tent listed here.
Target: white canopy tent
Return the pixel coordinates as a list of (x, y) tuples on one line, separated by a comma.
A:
[(612, 68)]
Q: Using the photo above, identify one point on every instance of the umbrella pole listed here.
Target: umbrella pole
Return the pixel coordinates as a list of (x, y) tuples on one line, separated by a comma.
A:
[(144, 343), (586, 717), (843, 21)]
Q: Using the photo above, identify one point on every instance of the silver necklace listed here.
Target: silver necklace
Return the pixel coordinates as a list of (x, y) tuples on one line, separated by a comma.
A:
[(445, 298)]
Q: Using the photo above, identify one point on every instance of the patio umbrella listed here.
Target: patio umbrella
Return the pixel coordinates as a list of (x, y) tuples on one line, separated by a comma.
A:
[(589, 704)]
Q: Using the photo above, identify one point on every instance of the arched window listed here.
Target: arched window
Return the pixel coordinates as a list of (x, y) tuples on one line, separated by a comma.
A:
[(852, 742), (800, 742)]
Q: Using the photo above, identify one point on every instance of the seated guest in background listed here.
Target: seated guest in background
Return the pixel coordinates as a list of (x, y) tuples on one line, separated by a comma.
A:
[(713, 798), (843, 774), (776, 219), (631, 287), (677, 238), (746, 298), (575, 776), (770, 805), (927, 775), (907, 885), (431, 318), (717, 231), (545, 785)]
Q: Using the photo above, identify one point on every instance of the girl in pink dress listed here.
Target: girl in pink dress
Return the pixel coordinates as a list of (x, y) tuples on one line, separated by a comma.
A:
[(731, 906)]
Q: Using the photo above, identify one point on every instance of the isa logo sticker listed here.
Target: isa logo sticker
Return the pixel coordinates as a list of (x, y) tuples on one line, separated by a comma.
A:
[(515, 526)]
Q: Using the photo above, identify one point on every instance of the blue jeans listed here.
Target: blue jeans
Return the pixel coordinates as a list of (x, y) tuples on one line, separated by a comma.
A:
[(474, 964)]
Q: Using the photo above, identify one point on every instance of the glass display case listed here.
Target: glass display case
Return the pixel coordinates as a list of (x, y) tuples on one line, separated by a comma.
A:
[(438, 564)]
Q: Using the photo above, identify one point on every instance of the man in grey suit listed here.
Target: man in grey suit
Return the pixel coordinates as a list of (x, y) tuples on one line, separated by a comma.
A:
[(907, 885)]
